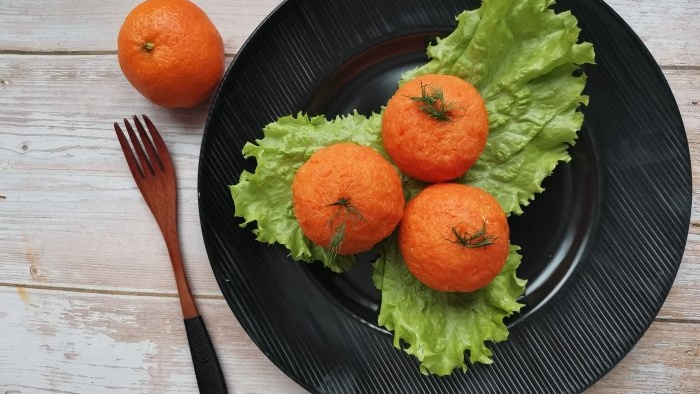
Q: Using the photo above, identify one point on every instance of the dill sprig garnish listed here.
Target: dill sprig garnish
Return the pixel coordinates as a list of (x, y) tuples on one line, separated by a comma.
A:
[(432, 102), (338, 231), (478, 239)]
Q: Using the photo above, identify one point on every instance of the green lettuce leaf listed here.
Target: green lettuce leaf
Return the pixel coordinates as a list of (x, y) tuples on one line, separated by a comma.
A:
[(438, 326), (265, 197), (523, 58)]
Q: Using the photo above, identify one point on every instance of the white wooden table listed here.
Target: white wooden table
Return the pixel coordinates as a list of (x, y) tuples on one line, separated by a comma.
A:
[(87, 299)]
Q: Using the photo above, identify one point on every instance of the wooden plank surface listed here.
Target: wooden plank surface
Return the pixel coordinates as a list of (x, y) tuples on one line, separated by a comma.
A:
[(93, 25), (79, 314), (58, 341)]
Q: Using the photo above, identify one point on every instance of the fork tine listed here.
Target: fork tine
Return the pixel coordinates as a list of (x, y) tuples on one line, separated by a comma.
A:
[(128, 153), (153, 156), (145, 164), (160, 146)]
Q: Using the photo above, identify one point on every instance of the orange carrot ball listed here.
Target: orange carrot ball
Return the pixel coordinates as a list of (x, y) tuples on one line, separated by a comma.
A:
[(454, 237), (347, 197), (435, 127)]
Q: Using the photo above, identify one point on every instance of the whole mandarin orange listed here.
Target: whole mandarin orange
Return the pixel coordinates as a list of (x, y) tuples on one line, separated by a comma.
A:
[(454, 237), (347, 197), (435, 127), (171, 52)]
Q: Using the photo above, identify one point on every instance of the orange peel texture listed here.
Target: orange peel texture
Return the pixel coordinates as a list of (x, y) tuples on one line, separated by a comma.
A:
[(171, 52)]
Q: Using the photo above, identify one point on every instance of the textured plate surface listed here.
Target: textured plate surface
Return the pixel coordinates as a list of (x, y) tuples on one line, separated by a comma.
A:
[(601, 246)]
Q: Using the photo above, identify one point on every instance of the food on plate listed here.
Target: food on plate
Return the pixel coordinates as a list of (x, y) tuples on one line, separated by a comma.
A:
[(347, 198), (171, 52), (454, 237), (435, 127), (264, 197), (441, 328), (532, 88)]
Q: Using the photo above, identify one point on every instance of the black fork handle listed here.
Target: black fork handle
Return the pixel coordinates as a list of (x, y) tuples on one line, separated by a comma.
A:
[(210, 377)]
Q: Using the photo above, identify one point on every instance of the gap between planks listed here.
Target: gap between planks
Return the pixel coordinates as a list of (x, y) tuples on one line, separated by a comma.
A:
[(233, 54), (108, 292), (676, 321), (215, 297), (69, 53)]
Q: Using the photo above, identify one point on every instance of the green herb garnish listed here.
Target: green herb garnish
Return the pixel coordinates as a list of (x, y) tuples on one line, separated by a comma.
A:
[(432, 102), (476, 240), (338, 231)]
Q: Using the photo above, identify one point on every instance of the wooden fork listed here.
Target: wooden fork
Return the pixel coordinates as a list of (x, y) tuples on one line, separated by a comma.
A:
[(153, 171)]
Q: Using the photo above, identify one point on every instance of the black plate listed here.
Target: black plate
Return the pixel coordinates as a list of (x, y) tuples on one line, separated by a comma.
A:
[(601, 246)]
